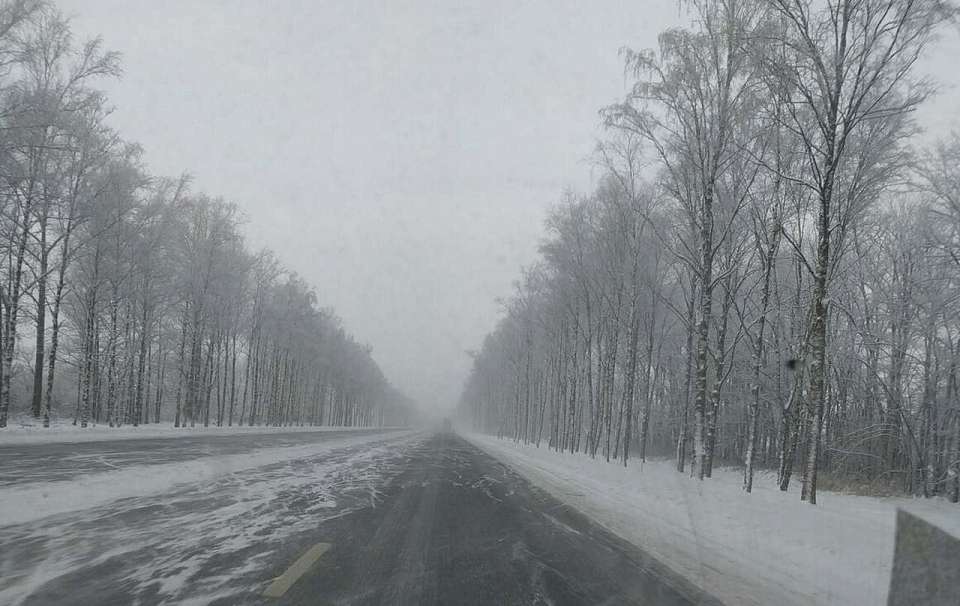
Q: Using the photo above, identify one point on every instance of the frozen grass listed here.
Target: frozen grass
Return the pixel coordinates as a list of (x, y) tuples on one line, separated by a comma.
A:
[(761, 548), (27, 430)]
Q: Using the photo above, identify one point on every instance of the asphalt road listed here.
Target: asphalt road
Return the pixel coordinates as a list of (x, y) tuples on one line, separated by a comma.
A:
[(421, 519), (56, 461)]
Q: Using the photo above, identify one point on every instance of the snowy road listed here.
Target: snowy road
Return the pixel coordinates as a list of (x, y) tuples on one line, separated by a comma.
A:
[(56, 461), (395, 518)]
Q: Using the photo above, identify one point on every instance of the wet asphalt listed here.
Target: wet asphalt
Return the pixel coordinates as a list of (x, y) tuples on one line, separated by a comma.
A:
[(458, 527)]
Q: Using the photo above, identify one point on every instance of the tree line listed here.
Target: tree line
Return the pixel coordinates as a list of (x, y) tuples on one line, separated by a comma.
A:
[(127, 298), (767, 272)]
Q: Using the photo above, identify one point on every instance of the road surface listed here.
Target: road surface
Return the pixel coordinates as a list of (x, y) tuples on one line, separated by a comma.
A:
[(401, 518), (55, 461)]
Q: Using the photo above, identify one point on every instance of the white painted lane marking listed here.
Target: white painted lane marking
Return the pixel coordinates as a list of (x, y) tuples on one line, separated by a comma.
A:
[(286, 580)]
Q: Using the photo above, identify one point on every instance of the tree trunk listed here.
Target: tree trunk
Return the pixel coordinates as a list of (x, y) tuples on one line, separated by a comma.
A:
[(758, 359), (713, 410), (41, 319), (818, 355), (55, 329), (688, 373), (705, 311), (142, 359)]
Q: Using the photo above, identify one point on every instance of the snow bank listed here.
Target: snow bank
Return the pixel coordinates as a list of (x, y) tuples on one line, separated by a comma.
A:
[(29, 502), (761, 548), (31, 431)]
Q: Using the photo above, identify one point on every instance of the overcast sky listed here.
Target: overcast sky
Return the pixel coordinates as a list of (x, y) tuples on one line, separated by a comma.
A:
[(400, 155)]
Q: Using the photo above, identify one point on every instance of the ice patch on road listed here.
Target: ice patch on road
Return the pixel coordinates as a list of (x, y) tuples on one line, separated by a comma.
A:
[(203, 541), (24, 503), (27, 430)]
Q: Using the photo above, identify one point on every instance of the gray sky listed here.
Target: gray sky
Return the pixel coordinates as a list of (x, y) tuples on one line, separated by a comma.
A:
[(400, 155)]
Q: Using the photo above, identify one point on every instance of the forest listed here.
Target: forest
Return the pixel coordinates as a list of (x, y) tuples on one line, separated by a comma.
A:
[(766, 274), (128, 298)]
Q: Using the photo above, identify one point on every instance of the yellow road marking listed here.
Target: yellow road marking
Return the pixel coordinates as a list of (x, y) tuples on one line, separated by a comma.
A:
[(286, 580)]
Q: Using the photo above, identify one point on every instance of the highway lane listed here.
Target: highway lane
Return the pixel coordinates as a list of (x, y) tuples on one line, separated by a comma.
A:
[(458, 527), (57, 461), (422, 519)]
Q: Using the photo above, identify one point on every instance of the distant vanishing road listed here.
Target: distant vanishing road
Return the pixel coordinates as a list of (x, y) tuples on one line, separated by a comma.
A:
[(374, 518)]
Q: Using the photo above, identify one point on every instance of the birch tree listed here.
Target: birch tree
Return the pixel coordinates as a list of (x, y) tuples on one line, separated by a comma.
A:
[(848, 87)]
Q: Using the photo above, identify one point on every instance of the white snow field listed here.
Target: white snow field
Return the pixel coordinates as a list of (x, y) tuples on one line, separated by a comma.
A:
[(763, 548)]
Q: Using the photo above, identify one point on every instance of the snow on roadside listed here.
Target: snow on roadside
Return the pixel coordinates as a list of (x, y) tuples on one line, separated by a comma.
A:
[(28, 502), (760, 548), (30, 431)]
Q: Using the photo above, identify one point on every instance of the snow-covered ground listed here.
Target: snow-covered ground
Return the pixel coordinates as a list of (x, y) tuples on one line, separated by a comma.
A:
[(761, 548), (27, 430)]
